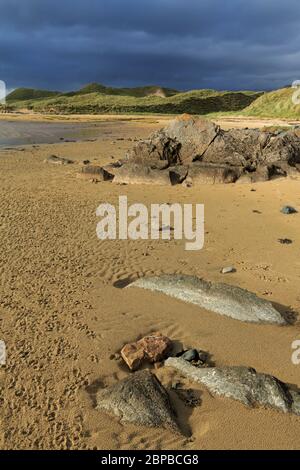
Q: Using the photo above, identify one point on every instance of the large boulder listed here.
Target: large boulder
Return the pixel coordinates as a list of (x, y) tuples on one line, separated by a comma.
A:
[(140, 399), (224, 299), (243, 384), (184, 140)]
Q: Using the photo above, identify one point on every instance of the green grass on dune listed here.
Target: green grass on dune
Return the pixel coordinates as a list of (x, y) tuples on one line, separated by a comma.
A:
[(21, 94), (96, 99), (276, 104)]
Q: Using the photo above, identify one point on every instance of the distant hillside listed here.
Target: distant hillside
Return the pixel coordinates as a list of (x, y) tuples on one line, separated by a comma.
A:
[(96, 99), (277, 103), (30, 94), (137, 92)]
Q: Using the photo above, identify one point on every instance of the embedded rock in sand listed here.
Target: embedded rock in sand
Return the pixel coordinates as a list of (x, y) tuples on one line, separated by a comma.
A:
[(152, 348), (139, 399), (224, 299), (58, 160), (134, 173), (95, 173), (243, 384), (210, 173)]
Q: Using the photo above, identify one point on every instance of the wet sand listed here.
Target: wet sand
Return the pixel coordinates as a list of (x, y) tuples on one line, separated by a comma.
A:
[(63, 319)]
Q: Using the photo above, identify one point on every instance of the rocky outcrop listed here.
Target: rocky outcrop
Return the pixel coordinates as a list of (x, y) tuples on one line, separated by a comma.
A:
[(139, 399), (243, 384), (224, 299), (208, 154)]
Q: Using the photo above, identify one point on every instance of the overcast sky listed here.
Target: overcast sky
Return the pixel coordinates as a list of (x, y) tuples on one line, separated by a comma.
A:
[(184, 44)]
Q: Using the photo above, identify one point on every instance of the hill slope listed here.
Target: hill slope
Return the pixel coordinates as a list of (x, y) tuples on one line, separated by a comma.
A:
[(21, 94), (96, 98), (277, 103)]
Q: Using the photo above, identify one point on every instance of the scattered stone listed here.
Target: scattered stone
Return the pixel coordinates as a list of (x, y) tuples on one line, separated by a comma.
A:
[(228, 269), (288, 210), (220, 298), (285, 241), (197, 357), (152, 348), (86, 162), (139, 399), (243, 384), (190, 355), (58, 160)]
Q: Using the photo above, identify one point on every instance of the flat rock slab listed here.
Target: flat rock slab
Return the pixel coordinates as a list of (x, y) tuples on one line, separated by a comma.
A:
[(133, 173), (243, 384), (95, 173), (224, 299), (139, 399), (58, 160)]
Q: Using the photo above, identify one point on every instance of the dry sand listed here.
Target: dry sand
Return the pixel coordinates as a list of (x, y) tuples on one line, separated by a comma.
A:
[(63, 319)]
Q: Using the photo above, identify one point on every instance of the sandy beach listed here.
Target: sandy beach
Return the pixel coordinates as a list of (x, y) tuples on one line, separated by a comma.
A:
[(63, 314)]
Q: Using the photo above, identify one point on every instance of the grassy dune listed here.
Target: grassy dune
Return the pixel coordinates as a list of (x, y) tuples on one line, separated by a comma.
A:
[(96, 99), (278, 104)]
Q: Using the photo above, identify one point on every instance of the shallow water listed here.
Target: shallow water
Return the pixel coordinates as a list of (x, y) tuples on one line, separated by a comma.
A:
[(14, 133)]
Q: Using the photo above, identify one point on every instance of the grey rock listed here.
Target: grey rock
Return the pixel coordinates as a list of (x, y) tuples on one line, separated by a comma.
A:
[(183, 140), (190, 355), (141, 174), (220, 298), (243, 384), (288, 210), (140, 399), (194, 135), (212, 173)]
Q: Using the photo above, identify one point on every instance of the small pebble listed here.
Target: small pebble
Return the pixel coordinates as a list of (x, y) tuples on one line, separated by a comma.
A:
[(288, 210), (285, 241), (228, 269), (190, 355)]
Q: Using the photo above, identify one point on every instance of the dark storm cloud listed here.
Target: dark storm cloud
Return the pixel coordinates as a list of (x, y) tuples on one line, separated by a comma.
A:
[(62, 44)]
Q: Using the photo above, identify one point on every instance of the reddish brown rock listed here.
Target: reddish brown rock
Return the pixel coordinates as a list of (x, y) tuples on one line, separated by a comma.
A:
[(156, 347), (133, 355), (152, 348)]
